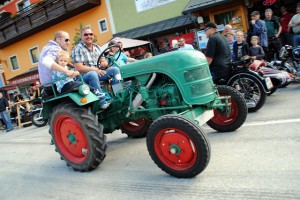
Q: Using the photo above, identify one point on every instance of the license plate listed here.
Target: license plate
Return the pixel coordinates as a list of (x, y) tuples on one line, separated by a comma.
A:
[(269, 83), (207, 115)]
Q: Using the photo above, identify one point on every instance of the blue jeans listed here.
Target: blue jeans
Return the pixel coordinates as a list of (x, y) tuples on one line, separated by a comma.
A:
[(110, 72), (296, 40), (93, 79), (7, 120)]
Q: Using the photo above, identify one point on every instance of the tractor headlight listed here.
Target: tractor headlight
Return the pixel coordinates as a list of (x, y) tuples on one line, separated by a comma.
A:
[(84, 90)]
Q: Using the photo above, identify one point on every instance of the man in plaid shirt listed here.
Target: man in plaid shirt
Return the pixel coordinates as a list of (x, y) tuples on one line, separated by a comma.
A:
[(85, 56)]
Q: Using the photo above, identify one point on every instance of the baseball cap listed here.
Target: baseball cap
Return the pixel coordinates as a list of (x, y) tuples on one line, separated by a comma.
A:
[(113, 42), (298, 4), (210, 25), (255, 13)]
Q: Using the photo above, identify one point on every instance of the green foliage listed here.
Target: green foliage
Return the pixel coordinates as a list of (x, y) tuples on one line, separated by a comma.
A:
[(77, 37)]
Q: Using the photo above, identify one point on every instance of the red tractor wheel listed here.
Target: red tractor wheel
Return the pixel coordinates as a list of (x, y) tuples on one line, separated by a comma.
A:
[(237, 115), (137, 128), (178, 146), (78, 137)]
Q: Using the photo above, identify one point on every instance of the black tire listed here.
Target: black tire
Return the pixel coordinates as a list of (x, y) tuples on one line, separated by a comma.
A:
[(85, 146), (272, 90), (252, 91), (285, 84), (38, 123), (137, 128), (238, 113), (178, 146)]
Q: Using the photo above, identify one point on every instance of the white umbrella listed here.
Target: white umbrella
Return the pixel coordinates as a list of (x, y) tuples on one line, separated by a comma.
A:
[(127, 43)]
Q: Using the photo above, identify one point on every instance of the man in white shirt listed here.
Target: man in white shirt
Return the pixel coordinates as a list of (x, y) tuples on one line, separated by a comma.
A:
[(183, 46), (295, 25)]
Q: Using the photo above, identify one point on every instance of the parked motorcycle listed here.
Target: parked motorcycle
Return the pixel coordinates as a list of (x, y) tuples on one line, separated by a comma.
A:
[(290, 58), (252, 85), (36, 115), (278, 78)]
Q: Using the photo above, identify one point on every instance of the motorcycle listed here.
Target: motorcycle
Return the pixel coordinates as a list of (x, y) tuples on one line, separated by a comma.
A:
[(278, 78), (36, 115), (252, 85), (290, 59)]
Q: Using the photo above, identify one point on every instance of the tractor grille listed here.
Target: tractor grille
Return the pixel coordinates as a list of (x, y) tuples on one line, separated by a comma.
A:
[(196, 74), (201, 88)]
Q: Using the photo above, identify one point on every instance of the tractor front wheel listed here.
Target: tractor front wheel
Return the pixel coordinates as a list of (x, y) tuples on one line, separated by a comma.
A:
[(178, 146), (78, 137), (237, 115)]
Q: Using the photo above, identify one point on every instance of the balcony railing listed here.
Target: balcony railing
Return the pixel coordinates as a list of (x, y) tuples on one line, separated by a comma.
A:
[(39, 17)]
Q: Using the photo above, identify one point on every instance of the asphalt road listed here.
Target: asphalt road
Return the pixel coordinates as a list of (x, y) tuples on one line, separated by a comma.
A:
[(259, 161)]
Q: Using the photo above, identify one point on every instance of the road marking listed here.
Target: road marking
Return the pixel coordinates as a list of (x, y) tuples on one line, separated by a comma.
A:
[(279, 121)]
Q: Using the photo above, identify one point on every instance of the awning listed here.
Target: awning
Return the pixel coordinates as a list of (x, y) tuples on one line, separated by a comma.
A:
[(28, 77), (8, 87), (157, 27), (195, 5)]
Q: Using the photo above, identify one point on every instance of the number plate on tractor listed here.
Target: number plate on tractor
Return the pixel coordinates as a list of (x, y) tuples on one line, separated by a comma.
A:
[(207, 115)]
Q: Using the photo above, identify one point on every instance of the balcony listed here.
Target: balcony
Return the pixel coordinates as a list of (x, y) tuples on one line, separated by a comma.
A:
[(39, 17)]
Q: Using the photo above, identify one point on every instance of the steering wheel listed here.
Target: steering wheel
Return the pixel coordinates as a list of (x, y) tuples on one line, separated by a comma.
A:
[(105, 54)]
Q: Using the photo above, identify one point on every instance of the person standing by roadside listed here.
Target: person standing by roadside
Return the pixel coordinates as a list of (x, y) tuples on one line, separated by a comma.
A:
[(273, 32), (295, 25), (259, 29), (284, 22), (183, 46), (240, 47), (4, 111), (218, 53)]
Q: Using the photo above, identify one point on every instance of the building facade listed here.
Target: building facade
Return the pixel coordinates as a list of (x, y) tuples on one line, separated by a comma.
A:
[(24, 33)]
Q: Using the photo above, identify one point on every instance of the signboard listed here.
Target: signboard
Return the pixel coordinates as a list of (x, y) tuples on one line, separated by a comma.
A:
[(25, 79), (142, 5), (269, 2), (202, 39)]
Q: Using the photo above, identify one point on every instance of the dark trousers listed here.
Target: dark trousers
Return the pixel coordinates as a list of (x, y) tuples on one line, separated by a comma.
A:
[(274, 46), (286, 38)]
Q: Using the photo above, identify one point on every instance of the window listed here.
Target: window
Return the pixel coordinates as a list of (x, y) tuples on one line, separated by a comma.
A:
[(102, 25), (34, 55), (23, 5), (14, 62)]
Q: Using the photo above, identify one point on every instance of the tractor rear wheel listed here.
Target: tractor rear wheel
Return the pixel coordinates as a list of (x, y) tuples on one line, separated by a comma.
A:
[(178, 146), (137, 128), (78, 137), (237, 115)]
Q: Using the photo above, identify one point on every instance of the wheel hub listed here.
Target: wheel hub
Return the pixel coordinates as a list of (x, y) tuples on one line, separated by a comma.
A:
[(72, 138), (175, 149)]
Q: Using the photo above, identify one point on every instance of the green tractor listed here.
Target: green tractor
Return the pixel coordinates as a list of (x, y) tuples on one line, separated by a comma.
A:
[(165, 98)]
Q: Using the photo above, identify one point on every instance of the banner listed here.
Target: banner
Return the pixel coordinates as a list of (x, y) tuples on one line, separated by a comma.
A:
[(142, 5)]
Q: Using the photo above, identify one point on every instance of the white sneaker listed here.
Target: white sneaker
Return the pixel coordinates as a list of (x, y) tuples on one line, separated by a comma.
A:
[(104, 106)]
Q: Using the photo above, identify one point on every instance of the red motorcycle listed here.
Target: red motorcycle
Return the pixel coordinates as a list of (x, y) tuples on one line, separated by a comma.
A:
[(278, 78)]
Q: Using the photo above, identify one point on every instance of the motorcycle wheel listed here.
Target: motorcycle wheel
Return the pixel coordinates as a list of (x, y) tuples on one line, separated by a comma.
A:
[(178, 146), (237, 115), (38, 122), (251, 90)]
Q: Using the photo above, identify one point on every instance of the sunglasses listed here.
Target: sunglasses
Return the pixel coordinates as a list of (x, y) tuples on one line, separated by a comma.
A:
[(67, 40), (88, 34)]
